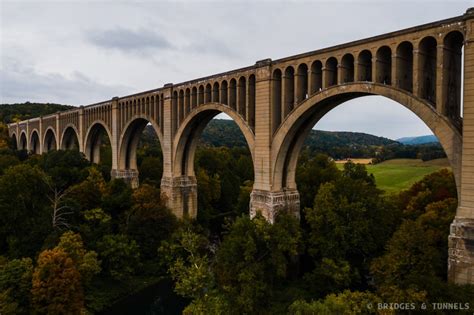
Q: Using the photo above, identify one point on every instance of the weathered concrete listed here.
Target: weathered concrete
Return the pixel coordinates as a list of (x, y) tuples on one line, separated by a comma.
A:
[(275, 104)]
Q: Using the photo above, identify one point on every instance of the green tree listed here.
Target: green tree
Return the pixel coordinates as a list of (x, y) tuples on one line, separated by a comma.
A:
[(350, 221), (345, 303), (15, 285), (120, 256), (253, 258), (86, 262), (25, 218), (56, 284), (149, 221), (311, 173)]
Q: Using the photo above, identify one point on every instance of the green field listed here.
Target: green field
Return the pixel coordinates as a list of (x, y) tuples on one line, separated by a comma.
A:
[(399, 174)]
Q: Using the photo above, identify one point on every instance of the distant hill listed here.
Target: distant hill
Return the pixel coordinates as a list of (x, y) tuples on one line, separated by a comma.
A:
[(16, 112), (418, 140)]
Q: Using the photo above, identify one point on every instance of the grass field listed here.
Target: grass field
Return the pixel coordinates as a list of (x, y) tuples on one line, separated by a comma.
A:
[(399, 174)]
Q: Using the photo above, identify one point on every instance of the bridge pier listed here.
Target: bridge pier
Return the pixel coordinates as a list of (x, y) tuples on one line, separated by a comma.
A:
[(461, 251), (180, 195), (270, 203), (129, 176)]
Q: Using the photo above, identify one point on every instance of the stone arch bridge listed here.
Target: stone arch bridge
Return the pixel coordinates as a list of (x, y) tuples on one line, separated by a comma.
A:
[(276, 103)]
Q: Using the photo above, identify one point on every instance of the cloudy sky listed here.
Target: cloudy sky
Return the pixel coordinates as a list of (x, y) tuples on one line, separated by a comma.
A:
[(79, 53)]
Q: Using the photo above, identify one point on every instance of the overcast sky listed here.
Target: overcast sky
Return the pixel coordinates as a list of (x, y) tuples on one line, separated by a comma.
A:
[(79, 53)]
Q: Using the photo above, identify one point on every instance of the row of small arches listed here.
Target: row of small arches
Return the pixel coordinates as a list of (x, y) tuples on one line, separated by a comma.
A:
[(238, 94), (293, 84)]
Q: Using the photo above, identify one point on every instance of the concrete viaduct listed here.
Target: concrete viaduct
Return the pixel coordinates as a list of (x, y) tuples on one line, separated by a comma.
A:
[(276, 103)]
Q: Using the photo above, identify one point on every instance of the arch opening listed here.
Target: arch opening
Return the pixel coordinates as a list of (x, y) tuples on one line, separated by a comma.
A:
[(23, 141), (364, 66), (13, 142), (49, 142), (384, 65), (330, 72), (98, 149), (70, 140), (35, 144), (221, 166), (140, 150), (301, 83), (405, 66), (316, 77), (453, 51), (427, 53), (289, 139), (347, 68)]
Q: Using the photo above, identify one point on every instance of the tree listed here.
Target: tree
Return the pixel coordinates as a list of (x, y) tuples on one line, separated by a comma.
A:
[(56, 284), (120, 256), (15, 285), (86, 262), (350, 221), (311, 173), (25, 215), (253, 258), (149, 221), (345, 303)]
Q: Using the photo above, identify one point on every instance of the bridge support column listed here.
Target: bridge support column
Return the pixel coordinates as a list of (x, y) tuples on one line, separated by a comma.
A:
[(270, 203), (129, 176), (461, 238), (180, 194)]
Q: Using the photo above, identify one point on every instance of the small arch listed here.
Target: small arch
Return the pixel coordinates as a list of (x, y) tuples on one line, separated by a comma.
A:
[(347, 68), (301, 83), (224, 88), (427, 52), (194, 97), (383, 65), (364, 66), (187, 101), (452, 74), (233, 94), (49, 141), (316, 77), (330, 72), (405, 66), (201, 95), (208, 94), (35, 144), (242, 95), (215, 92), (251, 103), (180, 107), (288, 91), (70, 138), (276, 99), (174, 111)]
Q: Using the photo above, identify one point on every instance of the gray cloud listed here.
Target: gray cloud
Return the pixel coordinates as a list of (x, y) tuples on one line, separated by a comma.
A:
[(22, 83), (126, 40)]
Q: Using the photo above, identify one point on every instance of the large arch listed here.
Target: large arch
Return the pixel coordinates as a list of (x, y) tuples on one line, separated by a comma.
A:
[(93, 140), (23, 141), (49, 140), (35, 143), (69, 138), (186, 137), (128, 141), (290, 136)]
